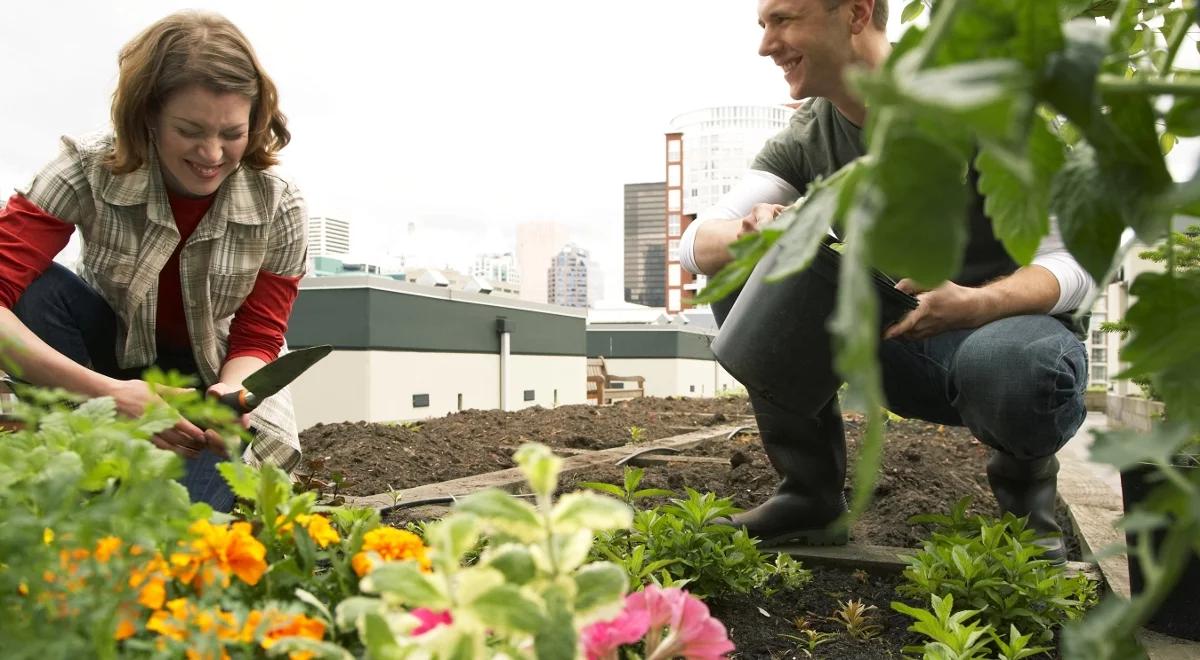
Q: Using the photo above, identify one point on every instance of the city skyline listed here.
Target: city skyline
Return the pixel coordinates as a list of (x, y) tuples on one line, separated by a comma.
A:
[(467, 124)]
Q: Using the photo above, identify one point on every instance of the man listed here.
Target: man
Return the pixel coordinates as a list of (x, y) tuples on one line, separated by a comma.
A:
[(981, 351)]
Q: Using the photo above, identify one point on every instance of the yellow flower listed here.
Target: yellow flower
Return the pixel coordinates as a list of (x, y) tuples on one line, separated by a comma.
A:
[(319, 529), (105, 548), (23, 589), (154, 594), (47, 536), (390, 544), (171, 622)]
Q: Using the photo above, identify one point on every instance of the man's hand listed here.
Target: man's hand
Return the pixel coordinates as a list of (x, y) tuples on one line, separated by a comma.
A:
[(948, 307), (132, 397), (760, 214)]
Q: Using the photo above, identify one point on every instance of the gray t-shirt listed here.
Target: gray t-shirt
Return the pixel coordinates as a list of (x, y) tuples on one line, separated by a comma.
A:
[(817, 142)]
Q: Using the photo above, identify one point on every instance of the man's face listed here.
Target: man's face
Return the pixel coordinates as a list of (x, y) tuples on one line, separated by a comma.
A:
[(809, 42)]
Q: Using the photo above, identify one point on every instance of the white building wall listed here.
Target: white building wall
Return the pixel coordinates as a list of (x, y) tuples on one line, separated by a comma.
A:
[(555, 380), (378, 386), (675, 376)]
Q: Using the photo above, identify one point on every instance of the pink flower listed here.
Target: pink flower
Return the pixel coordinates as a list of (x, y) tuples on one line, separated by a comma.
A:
[(603, 638), (692, 632), (430, 620)]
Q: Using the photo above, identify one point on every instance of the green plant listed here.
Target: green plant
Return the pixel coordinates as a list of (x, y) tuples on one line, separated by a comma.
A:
[(637, 434), (857, 619), (1060, 113), (808, 637), (529, 594), (994, 568), (1016, 646), (678, 544), (951, 633)]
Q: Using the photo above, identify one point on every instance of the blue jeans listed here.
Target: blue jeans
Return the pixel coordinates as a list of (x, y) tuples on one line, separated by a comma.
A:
[(70, 316), (1016, 383)]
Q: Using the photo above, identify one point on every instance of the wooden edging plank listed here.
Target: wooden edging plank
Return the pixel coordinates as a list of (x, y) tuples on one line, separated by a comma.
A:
[(511, 479), (885, 558)]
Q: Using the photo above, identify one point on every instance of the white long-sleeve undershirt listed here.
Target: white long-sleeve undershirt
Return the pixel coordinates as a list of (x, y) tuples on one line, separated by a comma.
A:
[(759, 187)]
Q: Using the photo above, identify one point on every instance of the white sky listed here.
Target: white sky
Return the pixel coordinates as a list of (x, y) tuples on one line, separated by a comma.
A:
[(464, 117)]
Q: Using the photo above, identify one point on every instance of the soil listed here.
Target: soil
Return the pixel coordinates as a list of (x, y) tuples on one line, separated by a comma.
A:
[(759, 625), (926, 467)]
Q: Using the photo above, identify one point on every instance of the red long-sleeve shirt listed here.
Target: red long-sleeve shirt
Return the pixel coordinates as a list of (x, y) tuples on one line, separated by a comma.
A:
[(30, 238)]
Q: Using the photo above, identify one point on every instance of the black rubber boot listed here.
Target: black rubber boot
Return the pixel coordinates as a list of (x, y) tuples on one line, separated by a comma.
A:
[(1029, 488), (810, 455)]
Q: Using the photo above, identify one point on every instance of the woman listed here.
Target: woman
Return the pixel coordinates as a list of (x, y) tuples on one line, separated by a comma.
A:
[(192, 246)]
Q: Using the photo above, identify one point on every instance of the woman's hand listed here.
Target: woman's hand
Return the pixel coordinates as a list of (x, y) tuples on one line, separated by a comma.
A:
[(134, 396)]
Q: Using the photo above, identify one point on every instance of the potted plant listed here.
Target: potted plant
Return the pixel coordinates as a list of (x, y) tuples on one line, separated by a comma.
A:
[(1149, 483)]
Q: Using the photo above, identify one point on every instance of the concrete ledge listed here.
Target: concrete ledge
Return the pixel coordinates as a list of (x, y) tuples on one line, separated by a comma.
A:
[(1132, 412)]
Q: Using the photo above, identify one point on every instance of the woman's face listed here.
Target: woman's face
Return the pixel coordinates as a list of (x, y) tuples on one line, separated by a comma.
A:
[(201, 136)]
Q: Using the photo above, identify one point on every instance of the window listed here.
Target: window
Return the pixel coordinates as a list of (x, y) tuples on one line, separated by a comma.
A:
[(1099, 372), (673, 150), (674, 200), (673, 249), (1097, 337), (420, 401), (673, 299), (674, 274), (673, 224), (1099, 356), (674, 174)]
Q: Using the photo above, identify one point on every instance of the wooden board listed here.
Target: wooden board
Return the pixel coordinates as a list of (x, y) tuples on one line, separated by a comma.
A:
[(884, 558), (512, 479), (1094, 510)]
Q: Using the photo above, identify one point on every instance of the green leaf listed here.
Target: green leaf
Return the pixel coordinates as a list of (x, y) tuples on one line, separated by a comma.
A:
[(243, 480), (572, 549), (500, 510), (986, 95), (610, 489), (1167, 142), (454, 535), (589, 511), (911, 11), (599, 587), (1088, 218), (1017, 190), (806, 224), (746, 252), (1069, 81), (514, 561), (1164, 341), (506, 608), (540, 466), (923, 206), (556, 638), (1183, 119), (404, 581), (378, 636)]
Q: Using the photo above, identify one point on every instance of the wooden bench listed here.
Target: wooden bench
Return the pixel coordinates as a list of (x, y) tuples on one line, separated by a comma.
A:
[(601, 384)]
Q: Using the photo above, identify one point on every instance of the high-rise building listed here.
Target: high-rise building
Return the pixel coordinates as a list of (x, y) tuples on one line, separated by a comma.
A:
[(645, 251), (500, 270), (328, 237), (567, 277), (708, 151), (537, 245)]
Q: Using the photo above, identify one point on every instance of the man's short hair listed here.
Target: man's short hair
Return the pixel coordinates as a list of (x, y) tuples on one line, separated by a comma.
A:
[(879, 16)]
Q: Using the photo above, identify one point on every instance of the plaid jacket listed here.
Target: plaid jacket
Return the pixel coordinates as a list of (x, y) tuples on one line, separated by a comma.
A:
[(258, 221)]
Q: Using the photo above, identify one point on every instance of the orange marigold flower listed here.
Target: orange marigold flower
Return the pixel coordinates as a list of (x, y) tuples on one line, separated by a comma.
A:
[(319, 529), (233, 549), (294, 625), (125, 629), (171, 622), (154, 594), (23, 589), (390, 544), (106, 547), (49, 576)]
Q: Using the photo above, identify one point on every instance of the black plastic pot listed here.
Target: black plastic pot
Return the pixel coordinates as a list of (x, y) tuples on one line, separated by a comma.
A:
[(774, 338), (1179, 613)]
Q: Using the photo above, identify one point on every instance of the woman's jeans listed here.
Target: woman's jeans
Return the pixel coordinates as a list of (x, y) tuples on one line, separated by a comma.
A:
[(70, 316)]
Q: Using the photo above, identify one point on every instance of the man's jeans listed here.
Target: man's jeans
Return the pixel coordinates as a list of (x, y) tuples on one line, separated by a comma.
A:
[(75, 320), (1017, 383)]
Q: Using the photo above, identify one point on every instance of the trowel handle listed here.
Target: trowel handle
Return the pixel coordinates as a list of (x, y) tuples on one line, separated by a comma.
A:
[(241, 401)]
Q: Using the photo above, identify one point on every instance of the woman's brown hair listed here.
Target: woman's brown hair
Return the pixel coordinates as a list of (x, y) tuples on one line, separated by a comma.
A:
[(191, 48)]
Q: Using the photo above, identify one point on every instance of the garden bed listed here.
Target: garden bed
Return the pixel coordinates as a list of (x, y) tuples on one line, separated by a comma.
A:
[(926, 467)]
